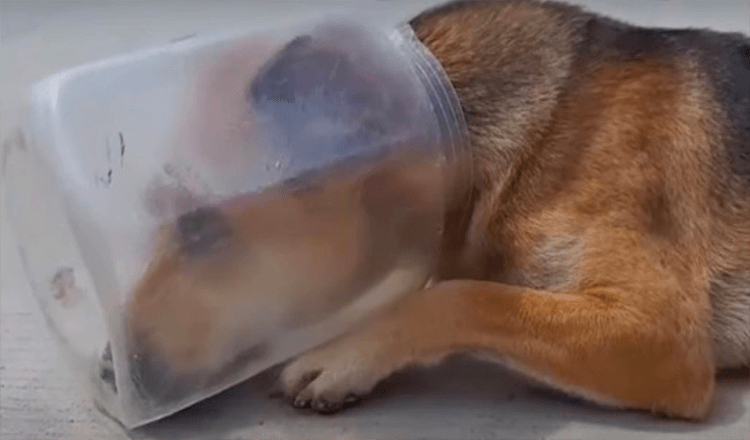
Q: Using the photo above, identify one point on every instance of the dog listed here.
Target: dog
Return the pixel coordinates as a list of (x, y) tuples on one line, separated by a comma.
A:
[(600, 247)]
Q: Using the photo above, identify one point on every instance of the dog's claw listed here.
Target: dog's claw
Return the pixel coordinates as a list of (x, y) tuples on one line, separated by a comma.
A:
[(324, 407), (300, 403), (334, 377), (351, 399)]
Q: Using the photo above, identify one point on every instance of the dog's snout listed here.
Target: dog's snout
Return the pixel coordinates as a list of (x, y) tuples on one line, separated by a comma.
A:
[(147, 373), (203, 230), (154, 380)]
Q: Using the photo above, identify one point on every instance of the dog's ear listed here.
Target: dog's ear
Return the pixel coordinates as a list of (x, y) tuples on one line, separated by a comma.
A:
[(322, 101), (314, 78), (296, 71)]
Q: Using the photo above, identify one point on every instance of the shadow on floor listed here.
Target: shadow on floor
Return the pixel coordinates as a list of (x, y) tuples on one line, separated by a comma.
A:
[(464, 398)]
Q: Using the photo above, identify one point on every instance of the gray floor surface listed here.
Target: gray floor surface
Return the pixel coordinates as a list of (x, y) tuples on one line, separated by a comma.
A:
[(462, 400)]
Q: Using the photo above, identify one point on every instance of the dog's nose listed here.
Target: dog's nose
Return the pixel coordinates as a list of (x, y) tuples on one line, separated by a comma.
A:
[(154, 380), (147, 374), (202, 231)]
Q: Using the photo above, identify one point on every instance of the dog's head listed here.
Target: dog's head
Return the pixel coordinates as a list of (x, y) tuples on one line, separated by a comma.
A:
[(226, 279)]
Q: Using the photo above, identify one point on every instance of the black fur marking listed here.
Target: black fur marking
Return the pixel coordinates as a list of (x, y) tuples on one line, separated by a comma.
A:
[(725, 58), (609, 40)]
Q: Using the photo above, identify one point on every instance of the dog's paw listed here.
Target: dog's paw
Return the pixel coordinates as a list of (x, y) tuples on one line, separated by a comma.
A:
[(335, 376)]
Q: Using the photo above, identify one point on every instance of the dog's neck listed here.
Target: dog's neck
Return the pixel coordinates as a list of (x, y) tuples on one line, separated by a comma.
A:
[(508, 68)]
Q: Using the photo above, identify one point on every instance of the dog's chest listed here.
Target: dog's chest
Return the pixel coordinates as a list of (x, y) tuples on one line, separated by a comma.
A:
[(551, 264)]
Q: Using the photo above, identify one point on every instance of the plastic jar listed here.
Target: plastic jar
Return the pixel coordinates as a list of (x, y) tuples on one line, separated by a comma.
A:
[(191, 215)]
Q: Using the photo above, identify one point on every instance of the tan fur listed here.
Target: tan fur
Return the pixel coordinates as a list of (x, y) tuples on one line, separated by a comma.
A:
[(607, 247)]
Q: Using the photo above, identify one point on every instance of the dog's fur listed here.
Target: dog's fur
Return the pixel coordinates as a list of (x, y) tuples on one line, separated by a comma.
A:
[(604, 245)]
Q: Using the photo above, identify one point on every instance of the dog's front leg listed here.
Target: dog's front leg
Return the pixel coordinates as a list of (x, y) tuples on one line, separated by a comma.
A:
[(654, 356)]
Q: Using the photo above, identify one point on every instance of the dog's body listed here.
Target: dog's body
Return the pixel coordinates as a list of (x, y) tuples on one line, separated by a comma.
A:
[(609, 223), (604, 245)]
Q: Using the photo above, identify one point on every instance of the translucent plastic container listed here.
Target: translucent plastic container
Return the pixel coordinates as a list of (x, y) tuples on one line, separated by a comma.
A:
[(191, 215)]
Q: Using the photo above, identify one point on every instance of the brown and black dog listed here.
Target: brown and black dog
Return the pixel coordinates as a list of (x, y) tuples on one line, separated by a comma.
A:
[(603, 247)]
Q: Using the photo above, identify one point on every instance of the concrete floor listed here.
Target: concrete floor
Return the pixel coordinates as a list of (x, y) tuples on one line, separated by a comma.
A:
[(464, 399)]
